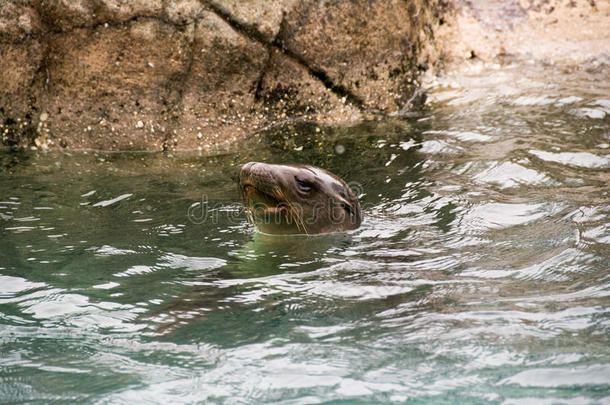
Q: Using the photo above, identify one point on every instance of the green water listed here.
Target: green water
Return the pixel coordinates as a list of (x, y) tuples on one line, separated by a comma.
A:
[(481, 273)]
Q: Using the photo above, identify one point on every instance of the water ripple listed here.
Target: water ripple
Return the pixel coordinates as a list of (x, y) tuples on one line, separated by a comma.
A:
[(502, 216), (509, 174), (562, 377), (479, 275), (579, 159)]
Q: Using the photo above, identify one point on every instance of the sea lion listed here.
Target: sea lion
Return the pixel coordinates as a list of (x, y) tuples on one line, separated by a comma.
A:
[(297, 199)]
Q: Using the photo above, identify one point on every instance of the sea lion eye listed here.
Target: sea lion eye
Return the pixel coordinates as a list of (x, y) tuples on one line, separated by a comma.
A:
[(303, 185)]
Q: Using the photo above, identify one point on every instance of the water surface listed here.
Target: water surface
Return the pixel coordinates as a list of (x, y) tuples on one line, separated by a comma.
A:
[(480, 273)]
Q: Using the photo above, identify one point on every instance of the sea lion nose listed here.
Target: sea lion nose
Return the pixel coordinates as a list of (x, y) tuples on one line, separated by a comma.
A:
[(246, 169)]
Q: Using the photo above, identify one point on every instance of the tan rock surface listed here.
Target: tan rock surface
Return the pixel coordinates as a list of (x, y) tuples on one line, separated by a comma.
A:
[(189, 74), (573, 33), (195, 74)]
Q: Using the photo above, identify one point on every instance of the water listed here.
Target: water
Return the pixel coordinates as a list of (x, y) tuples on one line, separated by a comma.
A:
[(480, 274)]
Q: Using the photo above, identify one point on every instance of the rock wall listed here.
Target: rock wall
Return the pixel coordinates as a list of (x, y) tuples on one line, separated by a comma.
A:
[(189, 74)]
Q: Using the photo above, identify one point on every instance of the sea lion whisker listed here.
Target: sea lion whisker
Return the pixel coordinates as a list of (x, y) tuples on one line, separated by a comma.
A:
[(299, 219), (280, 194), (291, 209), (296, 216), (249, 216)]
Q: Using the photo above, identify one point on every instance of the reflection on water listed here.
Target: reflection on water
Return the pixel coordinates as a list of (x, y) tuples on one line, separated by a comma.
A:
[(480, 273)]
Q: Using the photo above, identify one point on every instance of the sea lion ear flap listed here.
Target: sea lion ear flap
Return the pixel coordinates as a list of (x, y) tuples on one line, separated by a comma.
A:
[(345, 204)]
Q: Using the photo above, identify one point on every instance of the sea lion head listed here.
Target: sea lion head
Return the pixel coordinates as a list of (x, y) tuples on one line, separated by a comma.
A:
[(297, 199)]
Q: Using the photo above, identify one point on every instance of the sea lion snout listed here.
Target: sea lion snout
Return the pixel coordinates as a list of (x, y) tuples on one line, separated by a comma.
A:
[(259, 176), (245, 171), (247, 168)]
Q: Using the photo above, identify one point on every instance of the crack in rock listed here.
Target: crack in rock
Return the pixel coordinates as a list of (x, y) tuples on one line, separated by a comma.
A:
[(255, 35)]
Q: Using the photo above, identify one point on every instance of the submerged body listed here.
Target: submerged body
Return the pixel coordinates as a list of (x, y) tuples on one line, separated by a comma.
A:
[(297, 199)]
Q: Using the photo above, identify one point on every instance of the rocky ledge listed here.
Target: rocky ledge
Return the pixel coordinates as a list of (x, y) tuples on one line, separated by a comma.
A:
[(189, 74), (194, 74)]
